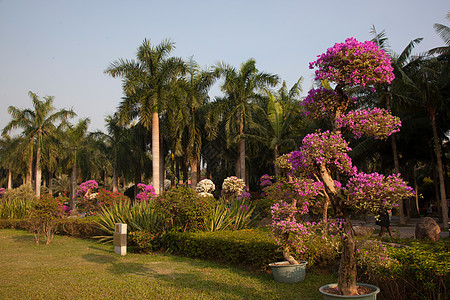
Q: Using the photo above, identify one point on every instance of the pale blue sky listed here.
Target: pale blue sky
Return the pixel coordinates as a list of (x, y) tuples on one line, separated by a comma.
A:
[(61, 48)]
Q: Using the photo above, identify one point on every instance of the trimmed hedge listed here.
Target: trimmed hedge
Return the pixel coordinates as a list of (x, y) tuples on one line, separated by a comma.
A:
[(251, 247), (77, 227)]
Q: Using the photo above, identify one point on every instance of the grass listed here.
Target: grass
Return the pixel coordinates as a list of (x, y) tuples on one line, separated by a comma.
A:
[(72, 268)]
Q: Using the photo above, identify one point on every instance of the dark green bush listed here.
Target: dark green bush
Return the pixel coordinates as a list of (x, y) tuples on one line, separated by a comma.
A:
[(14, 224), (250, 247), (183, 209), (78, 227), (144, 241), (421, 271)]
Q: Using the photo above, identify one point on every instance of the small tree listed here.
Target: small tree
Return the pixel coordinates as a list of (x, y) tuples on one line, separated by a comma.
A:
[(322, 165), (44, 213)]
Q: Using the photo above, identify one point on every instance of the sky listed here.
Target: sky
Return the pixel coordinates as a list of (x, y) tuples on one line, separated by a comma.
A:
[(61, 48)]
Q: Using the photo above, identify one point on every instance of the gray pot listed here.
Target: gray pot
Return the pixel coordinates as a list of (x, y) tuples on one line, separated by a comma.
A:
[(284, 272), (370, 296)]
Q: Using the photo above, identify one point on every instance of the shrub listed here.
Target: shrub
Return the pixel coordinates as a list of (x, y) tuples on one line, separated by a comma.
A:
[(144, 241), (78, 227), (421, 271), (138, 216), (233, 215), (44, 213), (147, 192), (91, 201), (251, 247), (16, 203), (183, 209)]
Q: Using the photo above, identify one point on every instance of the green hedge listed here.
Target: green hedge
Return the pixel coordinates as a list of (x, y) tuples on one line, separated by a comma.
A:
[(420, 271), (251, 247), (77, 227)]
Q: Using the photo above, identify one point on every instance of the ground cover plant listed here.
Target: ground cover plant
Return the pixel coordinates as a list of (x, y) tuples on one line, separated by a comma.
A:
[(82, 269)]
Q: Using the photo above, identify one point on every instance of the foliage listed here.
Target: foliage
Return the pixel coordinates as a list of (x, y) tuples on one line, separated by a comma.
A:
[(78, 227), (245, 247), (205, 187), (138, 216), (144, 241), (354, 63), (183, 209), (232, 187), (91, 201), (233, 215), (16, 203), (147, 192), (44, 213), (418, 271)]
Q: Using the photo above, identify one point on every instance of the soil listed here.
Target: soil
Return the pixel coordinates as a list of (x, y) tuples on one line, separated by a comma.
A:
[(361, 290)]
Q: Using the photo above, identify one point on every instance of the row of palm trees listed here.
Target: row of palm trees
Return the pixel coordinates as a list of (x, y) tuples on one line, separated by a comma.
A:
[(166, 126)]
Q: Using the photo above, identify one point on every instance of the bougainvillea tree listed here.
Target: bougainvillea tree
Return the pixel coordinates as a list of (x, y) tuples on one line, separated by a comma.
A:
[(322, 166)]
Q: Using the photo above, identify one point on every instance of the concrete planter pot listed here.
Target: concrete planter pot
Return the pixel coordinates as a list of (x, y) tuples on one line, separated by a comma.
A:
[(287, 273), (369, 296)]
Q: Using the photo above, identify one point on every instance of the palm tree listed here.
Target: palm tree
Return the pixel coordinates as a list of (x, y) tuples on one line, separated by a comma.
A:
[(187, 118), (240, 87), (145, 84), (388, 96), (11, 157), (278, 116), (75, 141), (37, 124)]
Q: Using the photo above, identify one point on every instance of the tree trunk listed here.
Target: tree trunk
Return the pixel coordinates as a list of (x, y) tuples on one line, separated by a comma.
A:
[(50, 182), (155, 152), (437, 150), (194, 172), (29, 177), (397, 171), (73, 185), (115, 183), (242, 150), (161, 166), (276, 154), (9, 179), (38, 172), (347, 268)]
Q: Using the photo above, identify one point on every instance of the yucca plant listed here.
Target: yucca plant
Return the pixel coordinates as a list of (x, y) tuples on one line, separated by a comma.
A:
[(236, 215), (138, 217), (16, 203)]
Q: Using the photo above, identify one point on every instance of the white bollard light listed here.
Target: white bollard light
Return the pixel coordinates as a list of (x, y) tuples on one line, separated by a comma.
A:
[(120, 238)]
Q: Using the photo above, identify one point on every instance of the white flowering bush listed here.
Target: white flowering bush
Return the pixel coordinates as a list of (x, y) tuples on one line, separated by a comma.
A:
[(205, 187), (232, 188)]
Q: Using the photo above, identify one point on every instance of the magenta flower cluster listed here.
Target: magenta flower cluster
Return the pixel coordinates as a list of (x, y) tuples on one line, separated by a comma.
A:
[(85, 187), (265, 180), (354, 63), (147, 193), (374, 192), (322, 147), (376, 122)]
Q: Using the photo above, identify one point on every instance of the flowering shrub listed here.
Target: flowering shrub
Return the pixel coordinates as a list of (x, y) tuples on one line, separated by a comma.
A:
[(2, 192), (324, 155), (354, 63), (232, 188), (91, 202), (377, 122), (205, 188), (183, 209), (147, 193)]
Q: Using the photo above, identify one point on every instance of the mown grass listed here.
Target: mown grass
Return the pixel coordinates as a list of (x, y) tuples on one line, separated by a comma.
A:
[(72, 268)]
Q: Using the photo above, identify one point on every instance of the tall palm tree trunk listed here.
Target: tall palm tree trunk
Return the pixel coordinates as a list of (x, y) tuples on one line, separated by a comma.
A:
[(9, 179), (29, 177), (194, 172), (38, 172), (115, 183), (437, 150), (397, 171), (155, 152), (73, 185), (242, 150)]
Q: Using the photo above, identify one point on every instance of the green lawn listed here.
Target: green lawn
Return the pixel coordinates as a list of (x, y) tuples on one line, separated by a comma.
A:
[(71, 268)]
